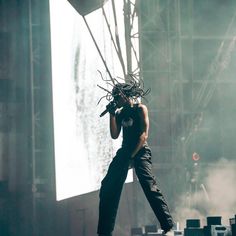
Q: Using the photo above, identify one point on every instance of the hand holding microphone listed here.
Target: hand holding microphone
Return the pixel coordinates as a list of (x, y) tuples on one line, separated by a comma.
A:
[(111, 108)]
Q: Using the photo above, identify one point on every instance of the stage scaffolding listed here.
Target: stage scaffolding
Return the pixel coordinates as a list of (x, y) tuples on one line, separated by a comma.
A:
[(188, 67), (41, 166), (186, 90)]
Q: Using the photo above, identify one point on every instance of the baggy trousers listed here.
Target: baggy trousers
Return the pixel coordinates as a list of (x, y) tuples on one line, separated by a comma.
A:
[(112, 184)]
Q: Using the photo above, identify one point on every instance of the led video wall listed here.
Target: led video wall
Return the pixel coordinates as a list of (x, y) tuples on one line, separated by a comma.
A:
[(83, 146)]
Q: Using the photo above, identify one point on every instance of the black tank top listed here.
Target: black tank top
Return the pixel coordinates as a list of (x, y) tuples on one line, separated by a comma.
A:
[(129, 119)]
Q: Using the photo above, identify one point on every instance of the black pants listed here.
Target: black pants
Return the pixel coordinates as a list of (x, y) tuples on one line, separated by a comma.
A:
[(112, 184)]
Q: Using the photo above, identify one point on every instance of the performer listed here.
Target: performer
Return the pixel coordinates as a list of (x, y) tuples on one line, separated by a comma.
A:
[(132, 117)]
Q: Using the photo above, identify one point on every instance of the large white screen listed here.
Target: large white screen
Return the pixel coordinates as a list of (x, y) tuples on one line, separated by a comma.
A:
[(83, 147)]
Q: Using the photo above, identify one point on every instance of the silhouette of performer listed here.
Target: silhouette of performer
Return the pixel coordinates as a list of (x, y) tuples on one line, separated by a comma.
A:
[(131, 116)]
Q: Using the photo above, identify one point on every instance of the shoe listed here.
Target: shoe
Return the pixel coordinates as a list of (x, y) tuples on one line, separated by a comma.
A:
[(168, 233)]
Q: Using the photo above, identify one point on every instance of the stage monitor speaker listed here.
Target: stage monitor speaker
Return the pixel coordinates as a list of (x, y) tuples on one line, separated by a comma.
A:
[(193, 223), (193, 232), (213, 220), (233, 228), (84, 7)]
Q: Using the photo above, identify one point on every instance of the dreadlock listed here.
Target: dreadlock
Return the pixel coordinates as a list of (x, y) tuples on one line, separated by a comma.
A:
[(134, 89)]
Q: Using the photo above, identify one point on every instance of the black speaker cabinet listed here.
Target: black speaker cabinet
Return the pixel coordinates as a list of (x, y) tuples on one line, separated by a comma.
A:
[(193, 232), (233, 228), (213, 220), (193, 223), (84, 7)]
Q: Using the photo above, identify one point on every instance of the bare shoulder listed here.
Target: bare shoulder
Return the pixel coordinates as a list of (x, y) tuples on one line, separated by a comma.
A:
[(142, 108)]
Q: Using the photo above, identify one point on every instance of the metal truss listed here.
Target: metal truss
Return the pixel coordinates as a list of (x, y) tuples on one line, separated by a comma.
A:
[(160, 55), (160, 60), (202, 96), (131, 64), (132, 37), (41, 161)]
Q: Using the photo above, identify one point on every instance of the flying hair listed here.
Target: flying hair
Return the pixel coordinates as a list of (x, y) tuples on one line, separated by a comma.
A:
[(132, 88)]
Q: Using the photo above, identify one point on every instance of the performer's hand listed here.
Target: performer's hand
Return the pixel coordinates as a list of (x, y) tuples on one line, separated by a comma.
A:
[(131, 163), (131, 160), (112, 107)]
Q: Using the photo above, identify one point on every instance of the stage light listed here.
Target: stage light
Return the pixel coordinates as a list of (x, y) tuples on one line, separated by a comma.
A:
[(195, 157)]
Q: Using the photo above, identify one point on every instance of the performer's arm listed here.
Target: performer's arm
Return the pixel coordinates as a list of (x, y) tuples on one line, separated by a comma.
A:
[(115, 127), (144, 122)]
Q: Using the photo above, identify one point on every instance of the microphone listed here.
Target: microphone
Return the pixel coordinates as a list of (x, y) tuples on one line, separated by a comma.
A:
[(111, 107), (103, 113)]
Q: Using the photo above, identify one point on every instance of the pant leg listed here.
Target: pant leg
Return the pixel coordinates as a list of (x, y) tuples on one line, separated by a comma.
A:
[(110, 192), (143, 168)]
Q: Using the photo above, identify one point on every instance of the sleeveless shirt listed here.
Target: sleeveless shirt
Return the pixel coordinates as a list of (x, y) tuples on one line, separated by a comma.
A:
[(129, 119)]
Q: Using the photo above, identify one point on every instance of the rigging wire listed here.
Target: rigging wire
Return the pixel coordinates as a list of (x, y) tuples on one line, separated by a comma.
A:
[(117, 38), (99, 51), (118, 51)]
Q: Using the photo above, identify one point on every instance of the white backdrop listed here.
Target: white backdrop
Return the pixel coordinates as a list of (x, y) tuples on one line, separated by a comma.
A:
[(83, 147)]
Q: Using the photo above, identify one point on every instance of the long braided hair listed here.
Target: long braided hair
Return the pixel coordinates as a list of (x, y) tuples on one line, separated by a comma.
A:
[(133, 88)]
